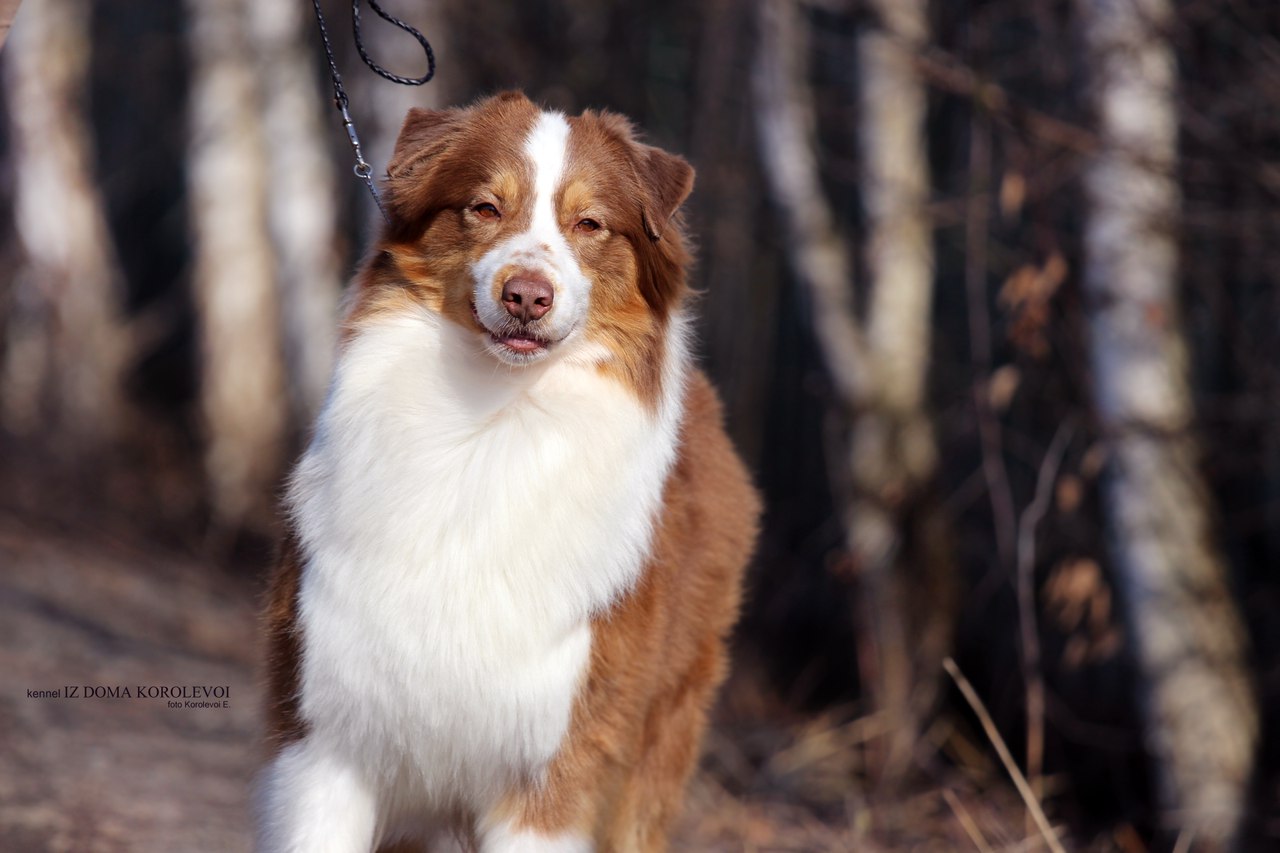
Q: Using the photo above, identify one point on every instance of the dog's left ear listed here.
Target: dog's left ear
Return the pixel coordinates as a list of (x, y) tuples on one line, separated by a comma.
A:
[(668, 180)]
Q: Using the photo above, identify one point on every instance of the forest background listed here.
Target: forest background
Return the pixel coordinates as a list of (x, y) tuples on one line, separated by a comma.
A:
[(988, 287)]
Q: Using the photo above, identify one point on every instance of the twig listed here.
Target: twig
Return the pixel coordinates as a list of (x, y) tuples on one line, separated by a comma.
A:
[(1011, 766), (975, 277), (951, 75), (1028, 626), (970, 828)]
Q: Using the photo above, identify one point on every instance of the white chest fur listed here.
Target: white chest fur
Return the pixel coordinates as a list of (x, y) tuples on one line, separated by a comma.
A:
[(461, 521)]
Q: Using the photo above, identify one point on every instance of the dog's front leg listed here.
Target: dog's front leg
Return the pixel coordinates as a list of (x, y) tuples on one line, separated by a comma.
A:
[(550, 816), (312, 801), (508, 837)]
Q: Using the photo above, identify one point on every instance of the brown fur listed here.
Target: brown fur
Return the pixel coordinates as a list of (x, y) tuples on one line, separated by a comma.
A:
[(284, 658), (658, 655)]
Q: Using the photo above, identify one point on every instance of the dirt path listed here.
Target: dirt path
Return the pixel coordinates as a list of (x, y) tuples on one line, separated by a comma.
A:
[(129, 773)]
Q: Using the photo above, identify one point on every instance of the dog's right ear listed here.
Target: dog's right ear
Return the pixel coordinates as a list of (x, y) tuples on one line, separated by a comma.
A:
[(423, 137)]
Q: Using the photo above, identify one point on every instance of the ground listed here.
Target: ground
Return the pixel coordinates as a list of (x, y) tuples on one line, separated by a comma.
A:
[(92, 603)]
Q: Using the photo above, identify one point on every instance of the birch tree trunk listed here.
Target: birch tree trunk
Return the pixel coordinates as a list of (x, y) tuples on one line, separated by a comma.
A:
[(301, 195), (66, 347), (1201, 715), (242, 381), (894, 452), (818, 253), (879, 367)]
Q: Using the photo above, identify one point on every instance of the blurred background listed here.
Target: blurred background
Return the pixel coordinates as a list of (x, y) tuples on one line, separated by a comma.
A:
[(988, 287)]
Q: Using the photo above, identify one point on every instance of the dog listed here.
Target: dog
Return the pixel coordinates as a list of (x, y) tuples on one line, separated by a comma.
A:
[(517, 538)]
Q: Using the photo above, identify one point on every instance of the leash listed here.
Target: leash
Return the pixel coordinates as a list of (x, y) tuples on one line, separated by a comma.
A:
[(362, 169)]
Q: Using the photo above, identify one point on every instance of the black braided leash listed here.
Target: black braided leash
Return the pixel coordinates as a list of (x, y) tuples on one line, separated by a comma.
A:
[(362, 168), (391, 19)]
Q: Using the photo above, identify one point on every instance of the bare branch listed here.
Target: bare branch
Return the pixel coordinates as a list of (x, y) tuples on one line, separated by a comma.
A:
[(1028, 625)]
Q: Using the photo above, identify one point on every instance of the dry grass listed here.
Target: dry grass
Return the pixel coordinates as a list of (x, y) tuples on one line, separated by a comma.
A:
[(772, 780)]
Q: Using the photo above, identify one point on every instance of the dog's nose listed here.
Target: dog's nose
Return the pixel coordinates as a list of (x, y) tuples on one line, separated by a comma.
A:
[(527, 296)]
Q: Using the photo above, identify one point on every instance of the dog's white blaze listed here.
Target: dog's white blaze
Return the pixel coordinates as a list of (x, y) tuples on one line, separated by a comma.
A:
[(547, 147), (542, 246), (460, 525)]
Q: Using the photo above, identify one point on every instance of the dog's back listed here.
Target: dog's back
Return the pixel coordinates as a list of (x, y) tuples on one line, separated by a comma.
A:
[(519, 531)]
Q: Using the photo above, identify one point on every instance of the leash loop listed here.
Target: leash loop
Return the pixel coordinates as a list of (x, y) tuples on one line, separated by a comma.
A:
[(391, 19), (362, 169)]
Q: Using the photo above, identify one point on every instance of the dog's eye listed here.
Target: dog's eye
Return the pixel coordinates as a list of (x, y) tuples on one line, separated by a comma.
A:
[(486, 211), (587, 225)]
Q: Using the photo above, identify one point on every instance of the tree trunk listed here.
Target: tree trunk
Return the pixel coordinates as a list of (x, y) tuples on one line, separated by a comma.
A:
[(66, 348), (301, 196), (1201, 717), (894, 454), (879, 367), (819, 254), (242, 382), (738, 345)]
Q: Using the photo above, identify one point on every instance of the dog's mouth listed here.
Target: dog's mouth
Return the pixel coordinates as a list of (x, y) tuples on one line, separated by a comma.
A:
[(515, 338)]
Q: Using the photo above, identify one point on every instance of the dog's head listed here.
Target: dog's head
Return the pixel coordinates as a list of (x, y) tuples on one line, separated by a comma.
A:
[(539, 232)]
